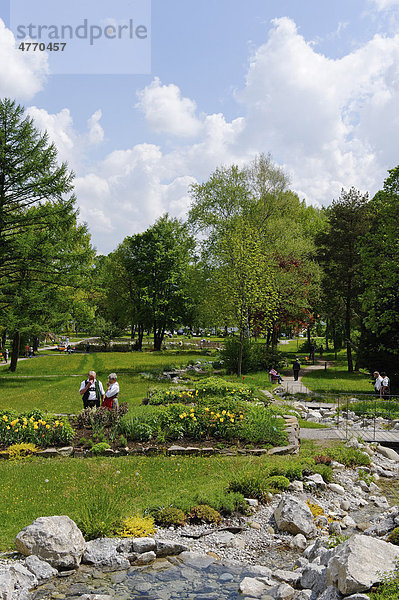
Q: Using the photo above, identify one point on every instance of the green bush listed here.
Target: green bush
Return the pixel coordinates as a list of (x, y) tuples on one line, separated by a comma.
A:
[(277, 482), (255, 357), (99, 448), (325, 471), (393, 537), (136, 429), (225, 503), (292, 470), (35, 428), (349, 456), (168, 516), (250, 486), (202, 513), (209, 386), (97, 515)]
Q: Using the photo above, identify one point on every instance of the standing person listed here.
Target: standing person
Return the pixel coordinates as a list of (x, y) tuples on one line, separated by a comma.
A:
[(111, 395), (384, 384), (377, 383), (92, 391), (27, 351), (296, 367), (6, 355)]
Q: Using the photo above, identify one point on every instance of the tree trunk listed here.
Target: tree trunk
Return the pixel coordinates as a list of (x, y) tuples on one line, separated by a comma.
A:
[(35, 344), (309, 340), (274, 338), (327, 331), (348, 335), (239, 366), (15, 351), (4, 338), (133, 331)]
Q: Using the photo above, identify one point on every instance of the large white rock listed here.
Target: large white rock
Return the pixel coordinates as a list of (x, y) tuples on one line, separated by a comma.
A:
[(57, 540), (359, 563), (15, 582), (103, 553), (294, 515), (388, 453), (251, 587), (40, 568)]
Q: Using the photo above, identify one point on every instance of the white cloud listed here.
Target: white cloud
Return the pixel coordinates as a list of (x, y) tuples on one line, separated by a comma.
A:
[(166, 111), (385, 4), (22, 74), (71, 145)]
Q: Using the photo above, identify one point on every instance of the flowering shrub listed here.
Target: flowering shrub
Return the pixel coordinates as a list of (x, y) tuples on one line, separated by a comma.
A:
[(18, 451), (253, 424), (136, 527), (211, 386), (44, 432), (101, 417)]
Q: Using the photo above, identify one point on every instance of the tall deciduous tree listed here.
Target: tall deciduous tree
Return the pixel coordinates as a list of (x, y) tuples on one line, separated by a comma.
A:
[(380, 267)]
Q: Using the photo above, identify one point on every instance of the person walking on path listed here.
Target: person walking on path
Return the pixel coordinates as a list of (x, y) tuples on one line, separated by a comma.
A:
[(377, 383), (111, 395), (92, 391), (296, 367), (384, 384)]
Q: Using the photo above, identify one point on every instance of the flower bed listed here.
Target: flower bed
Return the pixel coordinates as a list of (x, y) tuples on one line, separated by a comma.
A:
[(211, 386), (34, 427)]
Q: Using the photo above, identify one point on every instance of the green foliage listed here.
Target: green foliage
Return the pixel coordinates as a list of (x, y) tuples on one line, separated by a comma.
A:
[(18, 451), (365, 476), (325, 471), (350, 457), (277, 482), (322, 459), (101, 511), (136, 429), (122, 441), (255, 357), (250, 486), (168, 516), (43, 432), (393, 537), (209, 386), (292, 470), (225, 503), (202, 513), (388, 409), (100, 448), (388, 588), (335, 540), (136, 526)]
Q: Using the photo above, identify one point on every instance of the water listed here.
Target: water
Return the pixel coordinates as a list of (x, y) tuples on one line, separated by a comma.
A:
[(167, 579)]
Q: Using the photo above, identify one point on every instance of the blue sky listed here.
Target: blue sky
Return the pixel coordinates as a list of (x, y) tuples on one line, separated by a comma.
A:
[(315, 83)]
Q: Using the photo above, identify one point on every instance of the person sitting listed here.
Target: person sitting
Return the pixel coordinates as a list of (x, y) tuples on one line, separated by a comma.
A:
[(111, 395), (274, 375)]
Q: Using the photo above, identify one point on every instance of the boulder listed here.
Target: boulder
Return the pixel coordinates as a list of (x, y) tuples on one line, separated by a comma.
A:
[(359, 563), (294, 516), (299, 541), (169, 548), (317, 479), (331, 593), (145, 559), (103, 552), (388, 453), (40, 569), (56, 540), (314, 578), (338, 489), (251, 587)]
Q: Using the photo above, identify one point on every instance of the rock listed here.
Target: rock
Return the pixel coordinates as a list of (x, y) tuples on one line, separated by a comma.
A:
[(57, 540), (388, 453), (359, 563), (334, 528), (145, 559), (348, 521), (169, 548), (331, 593), (304, 595), (291, 577), (100, 552), (358, 597), (314, 577), (251, 587), (294, 516), (299, 541), (296, 486), (260, 571), (40, 569), (145, 544), (47, 453), (254, 525), (345, 505), (336, 488), (65, 451), (317, 479), (282, 592), (252, 502)]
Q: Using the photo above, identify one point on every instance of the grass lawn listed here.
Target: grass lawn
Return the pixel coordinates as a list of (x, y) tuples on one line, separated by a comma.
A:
[(337, 380), (29, 387), (36, 487)]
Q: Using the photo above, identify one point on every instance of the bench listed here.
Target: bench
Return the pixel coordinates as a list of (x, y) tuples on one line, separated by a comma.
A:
[(273, 378)]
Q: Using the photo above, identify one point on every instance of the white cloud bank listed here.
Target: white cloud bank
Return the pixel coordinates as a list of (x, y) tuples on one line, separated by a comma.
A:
[(331, 123)]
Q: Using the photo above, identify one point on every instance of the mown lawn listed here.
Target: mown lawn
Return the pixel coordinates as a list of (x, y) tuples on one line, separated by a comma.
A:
[(51, 382), (337, 380)]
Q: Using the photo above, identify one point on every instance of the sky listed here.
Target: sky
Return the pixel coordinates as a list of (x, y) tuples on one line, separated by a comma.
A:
[(314, 83)]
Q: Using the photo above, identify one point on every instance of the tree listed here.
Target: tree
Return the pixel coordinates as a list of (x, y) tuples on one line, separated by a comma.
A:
[(43, 252), (339, 255), (158, 262), (380, 270)]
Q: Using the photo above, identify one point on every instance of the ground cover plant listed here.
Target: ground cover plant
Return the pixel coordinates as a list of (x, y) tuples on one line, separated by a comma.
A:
[(388, 409), (203, 388), (34, 427)]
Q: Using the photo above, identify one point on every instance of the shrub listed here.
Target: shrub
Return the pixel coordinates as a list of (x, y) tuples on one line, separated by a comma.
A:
[(250, 486), (136, 527), (349, 456), (43, 432), (82, 441), (209, 386), (255, 357), (322, 459), (202, 513), (136, 429), (277, 482), (292, 470), (225, 503), (101, 418), (168, 516), (122, 441), (393, 537), (101, 511), (18, 451), (100, 448), (325, 471)]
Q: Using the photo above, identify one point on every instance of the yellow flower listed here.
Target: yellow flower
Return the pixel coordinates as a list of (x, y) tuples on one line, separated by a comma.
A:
[(47, 426), (181, 416), (32, 419), (195, 418), (231, 420), (5, 418), (14, 422), (206, 409), (196, 392), (221, 419), (223, 412), (61, 424), (35, 426), (241, 416), (8, 427)]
